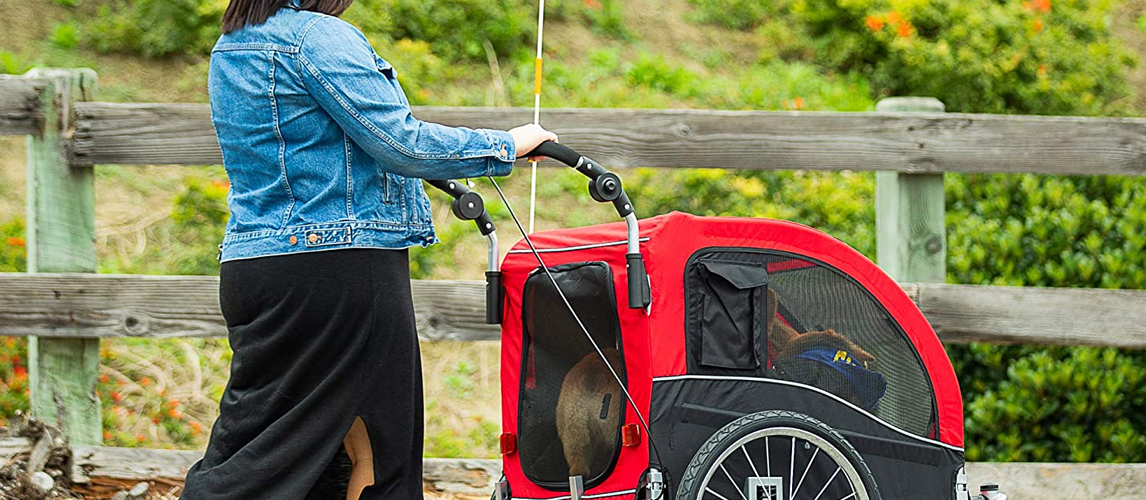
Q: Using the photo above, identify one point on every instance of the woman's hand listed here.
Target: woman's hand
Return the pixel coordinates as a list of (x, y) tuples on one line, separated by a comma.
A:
[(528, 137)]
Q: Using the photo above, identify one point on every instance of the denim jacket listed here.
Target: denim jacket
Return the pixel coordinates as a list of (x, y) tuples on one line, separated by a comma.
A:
[(320, 146)]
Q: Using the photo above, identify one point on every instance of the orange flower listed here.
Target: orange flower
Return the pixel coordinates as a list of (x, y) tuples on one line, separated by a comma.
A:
[(103, 379), (172, 402), (107, 436), (145, 381), (140, 437), (1038, 25), (1042, 70), (873, 23), (593, 4), (1041, 5), (893, 17), (798, 102), (16, 241), (117, 397), (155, 420), (904, 29), (20, 372), (196, 427), (174, 413)]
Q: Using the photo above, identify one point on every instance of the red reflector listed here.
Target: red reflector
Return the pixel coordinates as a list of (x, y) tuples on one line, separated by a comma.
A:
[(630, 435), (508, 443)]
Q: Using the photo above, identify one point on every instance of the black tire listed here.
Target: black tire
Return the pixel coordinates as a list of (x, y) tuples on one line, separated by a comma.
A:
[(717, 451)]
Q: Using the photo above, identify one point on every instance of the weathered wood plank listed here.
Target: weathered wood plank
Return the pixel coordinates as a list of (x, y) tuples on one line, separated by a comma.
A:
[(1016, 315), (20, 104), (901, 142), (61, 239), (77, 305), (909, 209)]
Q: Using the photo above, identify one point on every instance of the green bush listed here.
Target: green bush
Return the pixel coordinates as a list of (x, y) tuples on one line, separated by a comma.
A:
[(455, 29), (65, 35), (734, 14), (657, 74), (1026, 403), (839, 203), (13, 246), (155, 28), (13, 351), (975, 55), (11, 64)]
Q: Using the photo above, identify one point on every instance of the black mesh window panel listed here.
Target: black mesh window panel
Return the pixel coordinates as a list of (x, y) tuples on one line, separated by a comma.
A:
[(571, 407), (825, 330)]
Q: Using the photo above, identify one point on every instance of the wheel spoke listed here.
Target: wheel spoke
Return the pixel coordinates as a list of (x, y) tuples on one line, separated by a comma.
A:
[(768, 455), (754, 472), (852, 494), (792, 468), (718, 495), (805, 474), (733, 481), (825, 488)]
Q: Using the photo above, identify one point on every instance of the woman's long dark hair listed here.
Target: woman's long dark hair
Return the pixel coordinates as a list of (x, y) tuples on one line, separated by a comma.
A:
[(243, 12)]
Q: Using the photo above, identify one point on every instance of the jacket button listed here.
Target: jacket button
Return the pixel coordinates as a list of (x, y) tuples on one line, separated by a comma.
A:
[(504, 151), (313, 238), (294, 240)]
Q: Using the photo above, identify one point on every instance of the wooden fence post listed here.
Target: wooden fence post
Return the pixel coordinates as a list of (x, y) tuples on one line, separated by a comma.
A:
[(911, 242), (61, 238)]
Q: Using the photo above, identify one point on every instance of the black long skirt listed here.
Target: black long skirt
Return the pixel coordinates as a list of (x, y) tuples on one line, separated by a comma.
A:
[(319, 339)]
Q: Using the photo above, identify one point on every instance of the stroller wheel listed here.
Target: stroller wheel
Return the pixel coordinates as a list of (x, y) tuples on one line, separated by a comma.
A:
[(777, 455)]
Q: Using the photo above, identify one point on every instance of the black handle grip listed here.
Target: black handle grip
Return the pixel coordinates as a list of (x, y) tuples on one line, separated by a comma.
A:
[(557, 151), (494, 298)]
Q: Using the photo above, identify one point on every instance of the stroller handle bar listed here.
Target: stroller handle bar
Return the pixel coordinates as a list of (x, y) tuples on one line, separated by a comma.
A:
[(605, 186), (468, 205)]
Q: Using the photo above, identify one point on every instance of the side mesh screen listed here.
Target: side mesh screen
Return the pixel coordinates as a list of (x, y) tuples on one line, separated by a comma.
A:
[(820, 328), (571, 408)]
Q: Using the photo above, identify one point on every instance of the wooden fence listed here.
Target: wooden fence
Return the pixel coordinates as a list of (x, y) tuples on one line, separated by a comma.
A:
[(910, 142)]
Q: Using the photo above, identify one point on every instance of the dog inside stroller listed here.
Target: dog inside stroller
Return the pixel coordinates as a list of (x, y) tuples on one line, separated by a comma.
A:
[(712, 358)]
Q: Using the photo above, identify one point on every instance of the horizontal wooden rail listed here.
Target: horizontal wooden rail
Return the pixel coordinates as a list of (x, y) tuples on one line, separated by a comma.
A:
[(908, 142), (20, 112), (79, 305), (475, 477)]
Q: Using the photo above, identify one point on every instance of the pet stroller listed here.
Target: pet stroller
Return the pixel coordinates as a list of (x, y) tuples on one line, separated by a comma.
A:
[(770, 361)]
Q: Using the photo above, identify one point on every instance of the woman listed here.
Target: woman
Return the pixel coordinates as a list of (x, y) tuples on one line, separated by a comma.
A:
[(323, 155)]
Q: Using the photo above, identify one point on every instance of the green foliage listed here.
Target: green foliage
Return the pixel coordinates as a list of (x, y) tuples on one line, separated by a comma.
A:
[(1047, 231), (199, 218), (13, 376), (65, 35), (608, 18), (455, 29), (155, 28), (13, 246), (976, 55), (1030, 404), (1142, 24), (839, 203), (657, 74), (11, 64), (734, 14), (1060, 403)]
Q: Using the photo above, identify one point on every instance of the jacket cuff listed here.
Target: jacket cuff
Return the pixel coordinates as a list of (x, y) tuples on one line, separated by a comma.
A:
[(504, 153)]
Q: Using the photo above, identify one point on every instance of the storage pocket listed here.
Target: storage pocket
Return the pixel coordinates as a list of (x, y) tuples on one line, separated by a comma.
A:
[(731, 313)]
